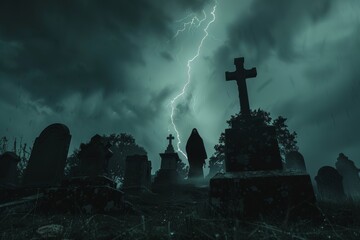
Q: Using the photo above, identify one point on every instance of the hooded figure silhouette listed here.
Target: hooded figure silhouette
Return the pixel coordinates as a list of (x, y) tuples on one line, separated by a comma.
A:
[(196, 153)]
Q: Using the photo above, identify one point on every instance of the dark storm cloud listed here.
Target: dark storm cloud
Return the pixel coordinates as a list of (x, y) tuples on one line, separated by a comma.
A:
[(167, 56), (271, 26), (264, 85), (338, 69), (55, 48), (194, 5), (327, 115)]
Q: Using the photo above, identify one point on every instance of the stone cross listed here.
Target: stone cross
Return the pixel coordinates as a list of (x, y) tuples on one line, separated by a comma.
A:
[(170, 138), (240, 75)]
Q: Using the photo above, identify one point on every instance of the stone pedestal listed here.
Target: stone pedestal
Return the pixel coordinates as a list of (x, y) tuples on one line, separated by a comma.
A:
[(252, 194), (167, 177), (255, 184), (165, 180)]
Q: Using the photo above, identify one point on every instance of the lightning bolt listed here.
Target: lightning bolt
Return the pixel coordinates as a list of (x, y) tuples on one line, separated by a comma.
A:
[(190, 23), (197, 22)]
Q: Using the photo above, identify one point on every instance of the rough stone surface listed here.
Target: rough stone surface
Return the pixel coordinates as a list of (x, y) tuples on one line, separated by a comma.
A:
[(252, 194), (94, 157), (48, 157), (137, 172), (91, 194), (167, 176), (89, 199), (330, 184), (252, 149)]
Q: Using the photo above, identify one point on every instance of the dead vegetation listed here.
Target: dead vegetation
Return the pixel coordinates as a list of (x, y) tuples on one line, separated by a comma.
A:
[(179, 220)]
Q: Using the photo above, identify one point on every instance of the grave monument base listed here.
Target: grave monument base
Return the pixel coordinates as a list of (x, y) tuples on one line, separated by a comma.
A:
[(279, 194), (165, 180), (84, 195)]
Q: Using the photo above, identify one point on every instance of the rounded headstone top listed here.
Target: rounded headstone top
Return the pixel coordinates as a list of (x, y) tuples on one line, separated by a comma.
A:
[(10, 155), (56, 127), (328, 172)]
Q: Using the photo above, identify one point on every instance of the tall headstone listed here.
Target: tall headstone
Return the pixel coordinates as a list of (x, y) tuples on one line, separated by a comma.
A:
[(167, 177), (330, 184), (350, 174), (250, 145), (48, 157), (254, 184), (169, 159), (137, 172), (295, 161), (94, 157), (9, 174)]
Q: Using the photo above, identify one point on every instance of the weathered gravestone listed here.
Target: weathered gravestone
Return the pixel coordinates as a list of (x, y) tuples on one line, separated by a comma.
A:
[(330, 184), (48, 157), (167, 177), (254, 183), (295, 161), (350, 174), (94, 157), (249, 145), (9, 174), (91, 191), (137, 173)]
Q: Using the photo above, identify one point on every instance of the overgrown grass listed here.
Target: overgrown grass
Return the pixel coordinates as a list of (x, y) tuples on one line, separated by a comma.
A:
[(174, 218)]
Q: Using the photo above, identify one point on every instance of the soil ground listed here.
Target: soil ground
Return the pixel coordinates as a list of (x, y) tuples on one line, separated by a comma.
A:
[(187, 216)]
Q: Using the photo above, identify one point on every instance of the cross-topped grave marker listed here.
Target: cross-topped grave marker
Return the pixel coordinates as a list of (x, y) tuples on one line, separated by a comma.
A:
[(254, 177), (170, 138), (170, 148), (167, 176), (240, 75)]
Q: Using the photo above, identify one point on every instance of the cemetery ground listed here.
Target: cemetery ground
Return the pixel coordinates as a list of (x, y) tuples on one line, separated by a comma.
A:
[(188, 216)]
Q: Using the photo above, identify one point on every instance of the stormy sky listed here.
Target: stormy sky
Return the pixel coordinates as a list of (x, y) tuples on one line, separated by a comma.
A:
[(114, 66)]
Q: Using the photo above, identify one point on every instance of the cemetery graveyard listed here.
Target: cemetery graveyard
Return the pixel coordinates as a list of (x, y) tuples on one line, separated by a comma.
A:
[(179, 119), (256, 186)]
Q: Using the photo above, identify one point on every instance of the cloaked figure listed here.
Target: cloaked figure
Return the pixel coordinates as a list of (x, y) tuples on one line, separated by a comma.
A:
[(196, 153)]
